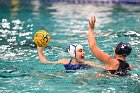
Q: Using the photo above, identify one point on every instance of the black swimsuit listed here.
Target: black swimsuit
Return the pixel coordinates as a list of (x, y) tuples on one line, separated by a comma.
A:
[(122, 69)]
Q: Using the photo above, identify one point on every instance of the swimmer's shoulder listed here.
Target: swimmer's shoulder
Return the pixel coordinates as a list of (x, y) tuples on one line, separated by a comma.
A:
[(64, 61), (113, 64)]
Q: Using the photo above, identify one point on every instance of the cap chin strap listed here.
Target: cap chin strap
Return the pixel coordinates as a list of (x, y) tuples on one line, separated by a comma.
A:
[(74, 58)]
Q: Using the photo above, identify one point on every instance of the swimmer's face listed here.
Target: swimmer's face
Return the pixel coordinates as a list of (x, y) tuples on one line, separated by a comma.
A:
[(80, 55)]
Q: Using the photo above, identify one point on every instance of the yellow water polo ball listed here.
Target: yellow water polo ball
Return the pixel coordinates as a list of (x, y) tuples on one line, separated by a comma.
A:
[(42, 38)]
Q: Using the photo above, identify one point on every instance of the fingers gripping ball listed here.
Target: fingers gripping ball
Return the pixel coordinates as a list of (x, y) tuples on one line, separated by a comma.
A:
[(42, 38)]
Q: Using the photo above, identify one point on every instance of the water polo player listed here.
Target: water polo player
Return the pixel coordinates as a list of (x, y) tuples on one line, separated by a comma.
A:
[(77, 61), (116, 65)]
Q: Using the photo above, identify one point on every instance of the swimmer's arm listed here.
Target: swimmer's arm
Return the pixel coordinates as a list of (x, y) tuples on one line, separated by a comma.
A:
[(61, 61), (97, 52), (131, 66), (94, 65), (43, 59)]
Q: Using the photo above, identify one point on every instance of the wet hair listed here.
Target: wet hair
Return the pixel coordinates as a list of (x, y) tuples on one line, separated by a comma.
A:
[(123, 49)]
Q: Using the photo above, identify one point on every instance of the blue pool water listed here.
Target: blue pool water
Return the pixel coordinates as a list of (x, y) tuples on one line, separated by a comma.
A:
[(20, 69)]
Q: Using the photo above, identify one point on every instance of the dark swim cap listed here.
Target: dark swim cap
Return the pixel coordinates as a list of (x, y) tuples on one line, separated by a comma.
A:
[(123, 49)]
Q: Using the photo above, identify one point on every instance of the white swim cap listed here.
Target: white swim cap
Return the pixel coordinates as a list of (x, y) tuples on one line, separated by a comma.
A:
[(73, 48)]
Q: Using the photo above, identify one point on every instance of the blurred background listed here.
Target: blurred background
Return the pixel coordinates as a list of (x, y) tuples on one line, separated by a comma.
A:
[(67, 23)]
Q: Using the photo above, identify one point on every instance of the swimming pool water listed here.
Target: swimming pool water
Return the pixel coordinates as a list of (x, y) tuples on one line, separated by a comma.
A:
[(20, 69)]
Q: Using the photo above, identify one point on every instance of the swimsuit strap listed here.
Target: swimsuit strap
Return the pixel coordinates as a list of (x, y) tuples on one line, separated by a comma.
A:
[(70, 61), (122, 69), (122, 64)]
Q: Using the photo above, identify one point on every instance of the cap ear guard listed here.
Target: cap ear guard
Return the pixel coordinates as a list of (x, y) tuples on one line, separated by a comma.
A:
[(73, 48), (123, 49)]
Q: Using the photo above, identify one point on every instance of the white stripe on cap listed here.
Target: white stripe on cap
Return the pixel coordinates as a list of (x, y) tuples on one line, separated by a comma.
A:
[(73, 48)]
